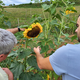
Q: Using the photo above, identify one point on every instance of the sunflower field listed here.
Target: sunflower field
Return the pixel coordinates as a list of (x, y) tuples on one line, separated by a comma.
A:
[(48, 32)]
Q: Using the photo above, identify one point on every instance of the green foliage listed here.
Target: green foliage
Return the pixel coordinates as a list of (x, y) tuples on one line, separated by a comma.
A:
[(3, 19), (23, 62), (17, 68), (22, 53), (77, 2), (32, 62), (30, 76)]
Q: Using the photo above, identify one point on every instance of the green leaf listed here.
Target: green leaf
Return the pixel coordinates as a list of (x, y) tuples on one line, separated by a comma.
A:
[(46, 7), (6, 18), (19, 36), (44, 48), (56, 38), (17, 69), (73, 22), (53, 10), (32, 62), (28, 67), (56, 76), (73, 37), (54, 22), (13, 53), (8, 23), (26, 76), (30, 76), (51, 44), (61, 40), (23, 26), (32, 44), (66, 35), (57, 29), (62, 13), (2, 15), (58, 16), (22, 53), (37, 77), (66, 27), (38, 19)]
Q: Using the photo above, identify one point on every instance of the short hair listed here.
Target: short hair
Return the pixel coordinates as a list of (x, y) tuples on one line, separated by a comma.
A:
[(7, 41), (78, 15)]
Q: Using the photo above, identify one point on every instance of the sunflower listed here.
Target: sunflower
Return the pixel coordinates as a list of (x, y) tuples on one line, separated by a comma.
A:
[(69, 11), (34, 31), (48, 77)]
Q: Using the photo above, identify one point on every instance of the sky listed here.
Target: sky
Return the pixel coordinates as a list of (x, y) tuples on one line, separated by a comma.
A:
[(16, 2)]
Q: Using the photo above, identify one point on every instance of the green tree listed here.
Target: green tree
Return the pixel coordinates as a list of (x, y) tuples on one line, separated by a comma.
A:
[(3, 19), (37, 1), (1, 3)]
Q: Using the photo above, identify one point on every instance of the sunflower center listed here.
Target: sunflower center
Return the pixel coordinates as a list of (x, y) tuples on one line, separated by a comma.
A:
[(34, 32)]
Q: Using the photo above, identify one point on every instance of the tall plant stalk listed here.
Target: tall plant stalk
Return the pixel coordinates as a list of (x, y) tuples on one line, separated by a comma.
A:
[(61, 29), (26, 43), (46, 27)]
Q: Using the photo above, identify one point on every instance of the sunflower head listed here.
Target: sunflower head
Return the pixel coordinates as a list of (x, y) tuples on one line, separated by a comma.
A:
[(34, 31), (70, 10)]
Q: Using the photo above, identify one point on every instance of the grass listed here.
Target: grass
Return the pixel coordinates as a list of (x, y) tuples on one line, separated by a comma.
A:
[(24, 15)]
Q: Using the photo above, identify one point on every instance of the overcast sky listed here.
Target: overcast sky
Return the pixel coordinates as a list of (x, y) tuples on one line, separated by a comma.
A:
[(7, 2)]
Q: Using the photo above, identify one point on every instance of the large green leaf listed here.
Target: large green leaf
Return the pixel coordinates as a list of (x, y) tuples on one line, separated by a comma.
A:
[(22, 53), (13, 53), (32, 44), (38, 19), (53, 10), (32, 62), (19, 36), (62, 13), (26, 76), (50, 43), (46, 7), (73, 22), (54, 22), (57, 29), (66, 35), (37, 77), (30, 76), (73, 37), (58, 16), (17, 68), (44, 48)]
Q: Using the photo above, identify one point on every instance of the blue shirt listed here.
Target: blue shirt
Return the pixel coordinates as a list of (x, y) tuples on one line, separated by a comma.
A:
[(66, 61)]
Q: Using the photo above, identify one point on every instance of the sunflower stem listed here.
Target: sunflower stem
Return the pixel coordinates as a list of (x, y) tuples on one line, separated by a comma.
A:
[(25, 64), (18, 78), (64, 3), (46, 27), (26, 43), (62, 24), (51, 75)]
